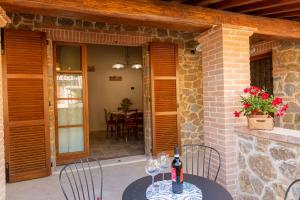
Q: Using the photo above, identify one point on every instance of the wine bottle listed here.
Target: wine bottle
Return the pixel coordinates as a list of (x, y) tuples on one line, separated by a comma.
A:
[(177, 173)]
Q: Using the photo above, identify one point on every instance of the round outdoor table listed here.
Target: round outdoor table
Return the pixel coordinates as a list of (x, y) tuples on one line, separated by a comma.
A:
[(210, 189)]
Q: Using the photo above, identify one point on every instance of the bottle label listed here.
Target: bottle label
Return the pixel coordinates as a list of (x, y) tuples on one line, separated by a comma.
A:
[(174, 176)]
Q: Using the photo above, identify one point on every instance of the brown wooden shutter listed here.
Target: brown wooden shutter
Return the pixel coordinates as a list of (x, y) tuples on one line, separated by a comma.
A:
[(26, 105), (163, 61)]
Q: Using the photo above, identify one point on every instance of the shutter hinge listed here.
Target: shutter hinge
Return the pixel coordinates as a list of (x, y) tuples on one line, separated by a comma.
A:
[(47, 42), (49, 103), (7, 172), (2, 42)]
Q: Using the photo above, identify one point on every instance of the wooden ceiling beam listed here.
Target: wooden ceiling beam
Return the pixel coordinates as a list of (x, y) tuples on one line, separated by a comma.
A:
[(223, 5), (277, 10), (165, 14), (263, 5)]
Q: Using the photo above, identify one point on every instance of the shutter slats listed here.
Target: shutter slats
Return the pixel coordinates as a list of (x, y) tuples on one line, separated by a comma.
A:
[(163, 58), (28, 155)]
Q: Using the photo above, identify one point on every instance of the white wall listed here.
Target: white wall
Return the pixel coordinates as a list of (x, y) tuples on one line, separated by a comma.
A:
[(109, 94)]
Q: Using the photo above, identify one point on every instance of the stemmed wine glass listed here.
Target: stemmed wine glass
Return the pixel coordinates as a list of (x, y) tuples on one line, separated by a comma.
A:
[(152, 168), (164, 163)]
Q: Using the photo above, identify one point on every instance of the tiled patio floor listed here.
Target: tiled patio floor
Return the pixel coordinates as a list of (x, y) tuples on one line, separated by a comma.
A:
[(118, 174), (103, 147)]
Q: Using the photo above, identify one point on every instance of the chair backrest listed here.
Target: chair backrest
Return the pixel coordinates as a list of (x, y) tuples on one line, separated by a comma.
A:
[(289, 189), (202, 160), (82, 180), (106, 115)]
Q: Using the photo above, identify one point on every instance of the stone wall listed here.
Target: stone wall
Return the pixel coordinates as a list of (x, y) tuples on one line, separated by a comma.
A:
[(77, 30), (266, 167), (286, 73)]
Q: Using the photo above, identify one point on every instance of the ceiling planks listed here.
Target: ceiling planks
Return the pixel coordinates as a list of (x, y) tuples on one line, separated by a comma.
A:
[(232, 4), (288, 9)]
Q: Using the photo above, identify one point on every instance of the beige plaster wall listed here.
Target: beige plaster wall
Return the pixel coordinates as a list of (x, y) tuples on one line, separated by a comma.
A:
[(107, 94)]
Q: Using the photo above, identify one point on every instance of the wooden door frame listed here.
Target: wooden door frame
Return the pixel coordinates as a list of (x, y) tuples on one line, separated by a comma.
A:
[(66, 158), (46, 106), (153, 99)]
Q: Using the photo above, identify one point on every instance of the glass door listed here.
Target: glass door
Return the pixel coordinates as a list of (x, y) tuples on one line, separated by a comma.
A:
[(71, 100)]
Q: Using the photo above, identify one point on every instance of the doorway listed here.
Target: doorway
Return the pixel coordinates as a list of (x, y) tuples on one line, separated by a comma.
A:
[(115, 87)]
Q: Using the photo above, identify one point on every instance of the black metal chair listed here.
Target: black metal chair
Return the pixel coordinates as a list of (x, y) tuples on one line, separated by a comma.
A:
[(202, 160), (289, 188), (79, 180)]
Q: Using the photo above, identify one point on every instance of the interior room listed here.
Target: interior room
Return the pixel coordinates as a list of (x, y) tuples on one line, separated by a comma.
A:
[(115, 101)]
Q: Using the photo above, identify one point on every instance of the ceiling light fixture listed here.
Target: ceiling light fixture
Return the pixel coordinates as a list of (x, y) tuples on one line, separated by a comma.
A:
[(136, 66)]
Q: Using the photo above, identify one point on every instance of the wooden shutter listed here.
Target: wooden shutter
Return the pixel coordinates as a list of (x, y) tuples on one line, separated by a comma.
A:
[(26, 105), (163, 61)]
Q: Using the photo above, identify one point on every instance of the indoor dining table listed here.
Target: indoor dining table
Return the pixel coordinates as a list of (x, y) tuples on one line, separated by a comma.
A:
[(210, 189)]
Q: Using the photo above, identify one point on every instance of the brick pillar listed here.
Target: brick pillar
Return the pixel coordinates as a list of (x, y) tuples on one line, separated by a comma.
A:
[(226, 72), (3, 21)]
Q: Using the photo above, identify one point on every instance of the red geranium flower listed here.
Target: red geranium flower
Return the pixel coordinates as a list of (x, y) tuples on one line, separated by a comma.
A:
[(246, 90), (253, 90), (247, 105), (254, 112), (285, 107), (237, 114), (277, 101), (265, 96)]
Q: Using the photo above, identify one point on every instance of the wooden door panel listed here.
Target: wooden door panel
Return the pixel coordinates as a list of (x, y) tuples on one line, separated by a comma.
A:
[(163, 61), (26, 105)]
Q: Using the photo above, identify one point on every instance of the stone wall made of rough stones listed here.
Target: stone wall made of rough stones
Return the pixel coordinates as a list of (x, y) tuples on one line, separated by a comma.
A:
[(266, 168), (190, 70), (286, 75)]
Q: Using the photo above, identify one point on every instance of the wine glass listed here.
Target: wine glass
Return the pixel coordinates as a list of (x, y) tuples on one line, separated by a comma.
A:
[(152, 168), (164, 163)]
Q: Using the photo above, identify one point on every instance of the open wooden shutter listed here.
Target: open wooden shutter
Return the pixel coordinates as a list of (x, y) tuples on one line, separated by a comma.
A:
[(26, 105), (163, 61)]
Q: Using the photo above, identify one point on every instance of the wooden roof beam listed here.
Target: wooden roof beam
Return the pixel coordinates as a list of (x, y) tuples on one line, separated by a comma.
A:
[(263, 5), (165, 14), (232, 3)]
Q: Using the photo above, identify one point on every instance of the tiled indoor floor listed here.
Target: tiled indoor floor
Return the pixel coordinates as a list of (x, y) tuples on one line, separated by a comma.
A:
[(103, 147)]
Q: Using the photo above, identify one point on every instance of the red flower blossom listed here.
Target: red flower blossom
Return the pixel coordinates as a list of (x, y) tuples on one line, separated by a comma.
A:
[(253, 90), (277, 101), (285, 107), (254, 112), (265, 96), (247, 105), (246, 90), (237, 114)]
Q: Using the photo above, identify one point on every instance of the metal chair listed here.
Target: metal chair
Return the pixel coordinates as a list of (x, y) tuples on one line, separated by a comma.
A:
[(82, 180), (289, 188), (202, 160)]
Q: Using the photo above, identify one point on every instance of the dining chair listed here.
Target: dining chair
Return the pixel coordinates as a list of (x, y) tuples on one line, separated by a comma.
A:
[(290, 187), (82, 180), (198, 161), (130, 122), (110, 123)]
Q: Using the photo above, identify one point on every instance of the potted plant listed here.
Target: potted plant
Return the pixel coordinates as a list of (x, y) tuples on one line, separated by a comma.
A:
[(260, 107), (125, 104)]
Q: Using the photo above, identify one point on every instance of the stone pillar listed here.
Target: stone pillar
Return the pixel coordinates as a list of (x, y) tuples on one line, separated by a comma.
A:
[(286, 79), (3, 21), (226, 72)]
